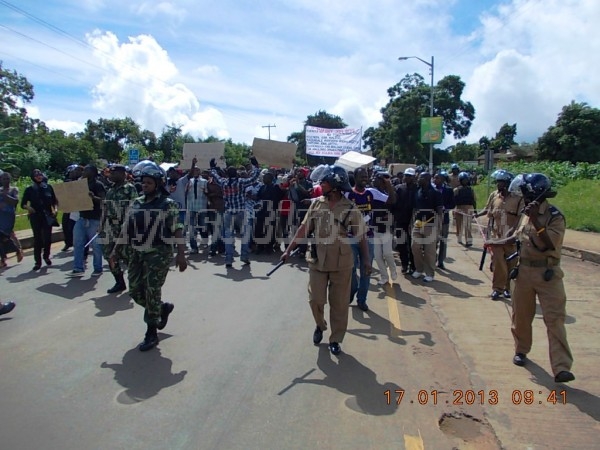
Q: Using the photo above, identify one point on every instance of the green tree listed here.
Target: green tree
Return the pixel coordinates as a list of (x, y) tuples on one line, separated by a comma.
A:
[(575, 137), (15, 89), (398, 134), (110, 137), (464, 152), (504, 139), (321, 119)]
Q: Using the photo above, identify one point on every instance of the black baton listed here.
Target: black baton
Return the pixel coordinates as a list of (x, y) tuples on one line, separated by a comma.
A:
[(281, 263)]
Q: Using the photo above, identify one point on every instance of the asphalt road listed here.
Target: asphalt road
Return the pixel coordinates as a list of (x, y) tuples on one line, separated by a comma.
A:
[(236, 368)]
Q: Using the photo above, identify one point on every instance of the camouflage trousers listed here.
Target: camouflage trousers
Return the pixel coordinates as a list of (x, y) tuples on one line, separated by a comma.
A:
[(147, 272), (108, 245)]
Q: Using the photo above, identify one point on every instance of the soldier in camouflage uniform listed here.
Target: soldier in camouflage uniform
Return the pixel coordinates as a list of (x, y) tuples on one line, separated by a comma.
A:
[(118, 198), (150, 229)]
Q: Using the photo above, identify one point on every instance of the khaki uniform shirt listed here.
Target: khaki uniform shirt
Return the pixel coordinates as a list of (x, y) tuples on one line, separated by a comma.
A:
[(331, 236), (506, 212), (532, 246), (453, 181)]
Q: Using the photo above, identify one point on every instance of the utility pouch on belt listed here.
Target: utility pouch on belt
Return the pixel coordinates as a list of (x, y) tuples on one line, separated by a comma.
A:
[(548, 274), (514, 273)]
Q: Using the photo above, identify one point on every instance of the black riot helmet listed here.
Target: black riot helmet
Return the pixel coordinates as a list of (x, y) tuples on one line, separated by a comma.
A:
[(150, 169), (337, 177), (533, 187)]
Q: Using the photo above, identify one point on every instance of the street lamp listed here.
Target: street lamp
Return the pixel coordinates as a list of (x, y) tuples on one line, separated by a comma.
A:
[(430, 64)]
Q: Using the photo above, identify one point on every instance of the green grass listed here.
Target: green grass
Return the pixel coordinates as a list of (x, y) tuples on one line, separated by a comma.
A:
[(578, 201)]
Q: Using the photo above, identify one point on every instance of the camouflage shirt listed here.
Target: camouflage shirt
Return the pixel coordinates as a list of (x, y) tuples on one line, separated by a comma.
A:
[(118, 199)]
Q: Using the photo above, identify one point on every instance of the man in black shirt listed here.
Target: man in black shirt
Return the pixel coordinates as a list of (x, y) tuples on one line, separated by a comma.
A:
[(88, 226), (429, 210)]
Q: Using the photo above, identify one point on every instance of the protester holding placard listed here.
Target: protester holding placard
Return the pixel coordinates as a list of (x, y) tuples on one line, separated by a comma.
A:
[(9, 197)]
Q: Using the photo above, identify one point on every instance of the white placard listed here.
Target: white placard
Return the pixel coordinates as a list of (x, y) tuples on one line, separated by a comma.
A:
[(203, 152), (274, 153)]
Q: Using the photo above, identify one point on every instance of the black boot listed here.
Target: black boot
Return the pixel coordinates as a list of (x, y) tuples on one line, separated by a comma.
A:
[(165, 310), (119, 286), (150, 339)]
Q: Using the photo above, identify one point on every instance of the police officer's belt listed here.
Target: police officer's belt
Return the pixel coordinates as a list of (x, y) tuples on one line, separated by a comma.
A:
[(546, 262)]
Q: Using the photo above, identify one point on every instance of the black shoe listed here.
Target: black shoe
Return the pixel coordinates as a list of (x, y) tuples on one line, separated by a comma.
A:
[(37, 267), (363, 306), (405, 269), (317, 336), (564, 376), (335, 348), (495, 295), (6, 308), (229, 266), (441, 266), (212, 253), (506, 294), (165, 310), (48, 261), (65, 248), (150, 339), (246, 261), (118, 287), (468, 244), (519, 359)]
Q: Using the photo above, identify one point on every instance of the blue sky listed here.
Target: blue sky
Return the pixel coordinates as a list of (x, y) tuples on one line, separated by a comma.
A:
[(229, 68)]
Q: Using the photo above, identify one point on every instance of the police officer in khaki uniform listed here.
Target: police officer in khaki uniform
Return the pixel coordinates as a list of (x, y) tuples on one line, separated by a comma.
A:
[(331, 218), (503, 210), (541, 234)]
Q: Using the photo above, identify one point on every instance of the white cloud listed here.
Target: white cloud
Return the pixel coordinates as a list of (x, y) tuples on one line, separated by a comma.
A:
[(537, 59), (140, 82)]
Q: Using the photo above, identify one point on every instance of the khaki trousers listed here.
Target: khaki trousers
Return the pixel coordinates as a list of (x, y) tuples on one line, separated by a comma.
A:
[(335, 287), (500, 280), (463, 223), (552, 297), (424, 240)]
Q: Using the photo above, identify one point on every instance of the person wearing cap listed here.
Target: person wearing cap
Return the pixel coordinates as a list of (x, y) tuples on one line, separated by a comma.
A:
[(118, 198), (88, 225), (403, 211), (331, 218), (40, 202)]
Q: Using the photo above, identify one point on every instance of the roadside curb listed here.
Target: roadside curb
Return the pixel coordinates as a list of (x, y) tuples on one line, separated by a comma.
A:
[(584, 255)]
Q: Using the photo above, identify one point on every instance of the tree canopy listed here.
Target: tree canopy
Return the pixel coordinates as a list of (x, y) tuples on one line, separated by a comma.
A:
[(398, 135), (575, 137)]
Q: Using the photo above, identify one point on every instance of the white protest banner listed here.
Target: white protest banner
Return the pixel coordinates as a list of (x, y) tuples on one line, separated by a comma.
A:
[(203, 152), (332, 141), (274, 153), (353, 160), (73, 196)]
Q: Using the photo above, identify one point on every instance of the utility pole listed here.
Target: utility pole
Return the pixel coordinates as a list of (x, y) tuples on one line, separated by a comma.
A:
[(269, 127)]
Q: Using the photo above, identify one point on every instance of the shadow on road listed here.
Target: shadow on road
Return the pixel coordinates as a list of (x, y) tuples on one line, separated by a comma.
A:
[(584, 401), (378, 325), (349, 376), (73, 288), (143, 374), (241, 274), (111, 304)]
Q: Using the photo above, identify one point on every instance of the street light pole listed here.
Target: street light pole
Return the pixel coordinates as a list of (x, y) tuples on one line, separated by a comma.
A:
[(431, 67)]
